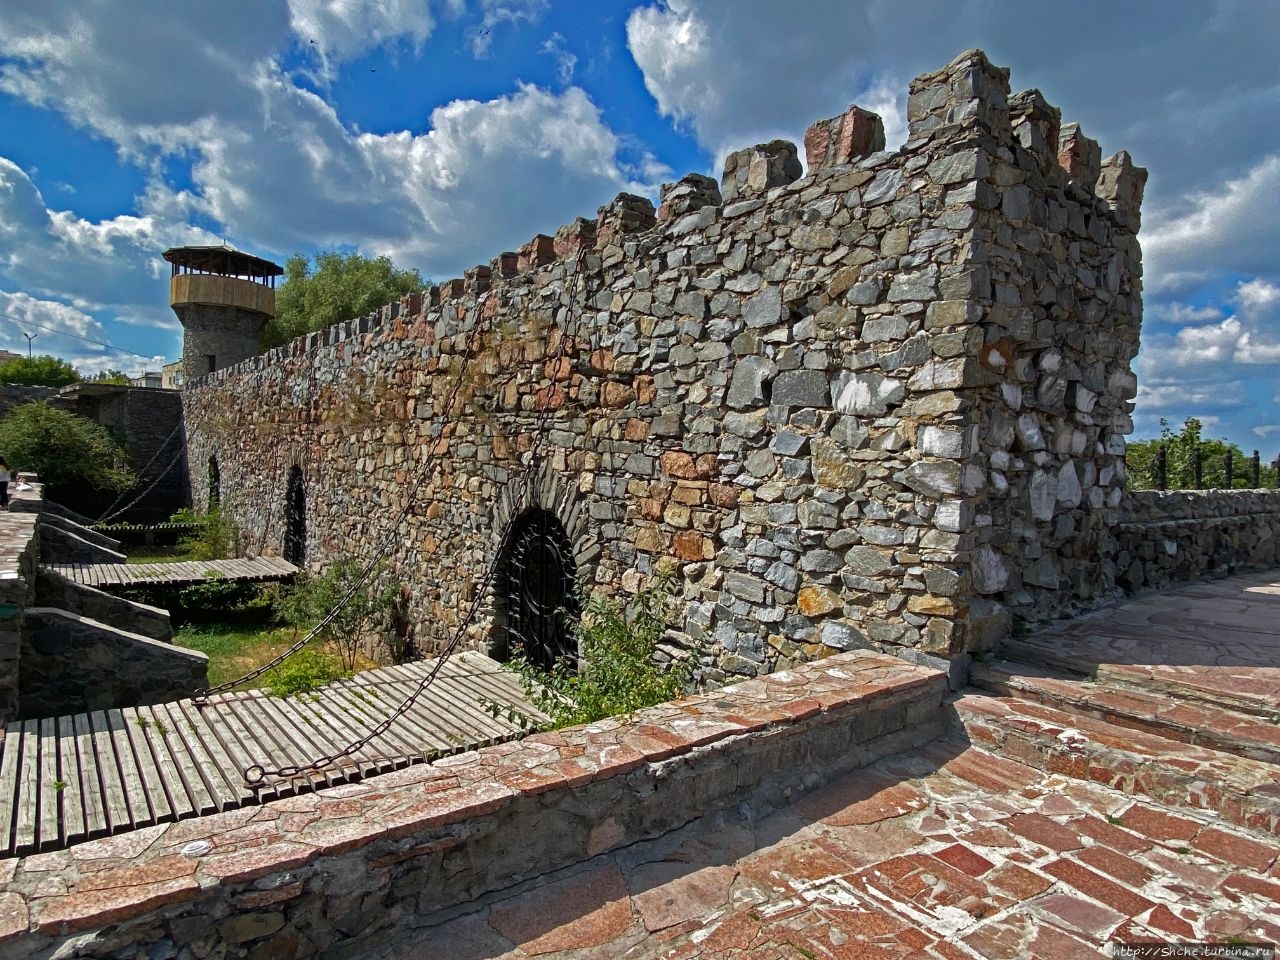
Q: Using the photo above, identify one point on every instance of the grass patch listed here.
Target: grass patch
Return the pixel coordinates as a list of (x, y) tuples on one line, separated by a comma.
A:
[(233, 649), (174, 554)]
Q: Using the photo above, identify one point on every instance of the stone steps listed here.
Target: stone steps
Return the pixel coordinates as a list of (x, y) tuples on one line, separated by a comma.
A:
[(1242, 791), (1192, 722), (1247, 687)]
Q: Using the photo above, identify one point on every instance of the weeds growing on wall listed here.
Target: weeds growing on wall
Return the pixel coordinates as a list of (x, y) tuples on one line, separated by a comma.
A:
[(618, 672)]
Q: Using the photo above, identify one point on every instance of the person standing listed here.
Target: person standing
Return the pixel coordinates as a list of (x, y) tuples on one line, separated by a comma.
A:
[(4, 484)]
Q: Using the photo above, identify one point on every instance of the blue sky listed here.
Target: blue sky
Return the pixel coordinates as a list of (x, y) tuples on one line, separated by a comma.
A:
[(441, 132)]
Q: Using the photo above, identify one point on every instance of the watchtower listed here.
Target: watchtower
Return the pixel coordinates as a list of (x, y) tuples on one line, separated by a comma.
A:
[(223, 298)]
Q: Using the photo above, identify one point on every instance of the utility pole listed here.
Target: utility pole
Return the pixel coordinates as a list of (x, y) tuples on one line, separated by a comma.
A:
[(30, 337)]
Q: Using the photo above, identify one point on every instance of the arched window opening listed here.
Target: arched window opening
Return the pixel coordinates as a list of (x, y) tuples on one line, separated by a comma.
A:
[(215, 483), (295, 519), (536, 591)]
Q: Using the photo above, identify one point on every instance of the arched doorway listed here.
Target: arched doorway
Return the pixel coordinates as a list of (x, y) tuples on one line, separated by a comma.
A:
[(215, 483), (295, 519), (537, 596)]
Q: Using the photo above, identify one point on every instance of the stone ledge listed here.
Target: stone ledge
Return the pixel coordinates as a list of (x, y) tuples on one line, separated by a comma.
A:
[(354, 860)]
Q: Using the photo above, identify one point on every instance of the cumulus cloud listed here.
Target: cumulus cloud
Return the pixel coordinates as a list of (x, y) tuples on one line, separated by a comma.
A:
[(496, 13), (338, 30), (1233, 228), (111, 263)]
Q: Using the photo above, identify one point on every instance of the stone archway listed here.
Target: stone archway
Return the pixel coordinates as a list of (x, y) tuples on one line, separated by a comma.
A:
[(295, 518), (546, 554)]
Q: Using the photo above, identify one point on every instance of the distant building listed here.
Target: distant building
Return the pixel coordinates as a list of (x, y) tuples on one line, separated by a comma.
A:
[(149, 379), (7, 355), (171, 375)]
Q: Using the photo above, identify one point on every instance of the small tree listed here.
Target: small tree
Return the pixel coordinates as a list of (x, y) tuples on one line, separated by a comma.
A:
[(337, 288), (66, 451), (110, 376), (213, 536), (311, 598), (43, 371), (619, 672)]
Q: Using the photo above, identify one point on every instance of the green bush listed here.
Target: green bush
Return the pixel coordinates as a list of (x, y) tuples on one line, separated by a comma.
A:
[(214, 537), (371, 607), (307, 670), (618, 673)]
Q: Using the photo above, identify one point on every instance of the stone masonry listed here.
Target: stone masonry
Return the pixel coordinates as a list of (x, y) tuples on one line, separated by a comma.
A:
[(879, 405)]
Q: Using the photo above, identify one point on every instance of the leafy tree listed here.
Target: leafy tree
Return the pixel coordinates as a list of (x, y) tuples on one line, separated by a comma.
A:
[(43, 371), (371, 606), (109, 376), (68, 452), (213, 537), (1180, 448), (334, 289)]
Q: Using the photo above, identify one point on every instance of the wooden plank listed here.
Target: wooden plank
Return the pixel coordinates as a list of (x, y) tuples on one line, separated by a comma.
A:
[(352, 727), (153, 779), (243, 743), (402, 741), (28, 790), (184, 799), (50, 796), (133, 774), (72, 795), (10, 784), (222, 773), (276, 718), (93, 796), (118, 806), (416, 737), (319, 741)]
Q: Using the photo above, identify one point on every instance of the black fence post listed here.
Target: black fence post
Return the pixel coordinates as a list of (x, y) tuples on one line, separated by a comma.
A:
[(1227, 478), (1162, 468), (1275, 465), (1257, 471), (1197, 468)]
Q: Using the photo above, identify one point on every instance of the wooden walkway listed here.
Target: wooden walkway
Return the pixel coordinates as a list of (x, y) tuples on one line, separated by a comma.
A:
[(72, 778), (106, 576)]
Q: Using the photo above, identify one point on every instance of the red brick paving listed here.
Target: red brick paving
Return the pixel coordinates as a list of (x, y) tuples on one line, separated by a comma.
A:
[(816, 881)]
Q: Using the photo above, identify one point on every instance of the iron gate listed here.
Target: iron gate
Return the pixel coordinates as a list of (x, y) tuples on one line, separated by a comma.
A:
[(538, 590)]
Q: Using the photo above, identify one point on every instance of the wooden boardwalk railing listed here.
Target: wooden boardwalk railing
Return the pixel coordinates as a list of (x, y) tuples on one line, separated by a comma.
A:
[(76, 777)]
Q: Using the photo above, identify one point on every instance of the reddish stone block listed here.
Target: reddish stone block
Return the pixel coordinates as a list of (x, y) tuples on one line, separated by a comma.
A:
[(689, 545), (1236, 849), (1018, 882), (636, 430), (1121, 867), (1157, 824), (1164, 919), (723, 495), (584, 911), (1111, 836), (537, 252), (964, 859), (95, 909), (677, 463), (14, 917), (1092, 919), (1042, 830), (1099, 887)]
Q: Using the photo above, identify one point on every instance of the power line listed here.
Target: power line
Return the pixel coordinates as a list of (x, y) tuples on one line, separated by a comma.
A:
[(76, 336)]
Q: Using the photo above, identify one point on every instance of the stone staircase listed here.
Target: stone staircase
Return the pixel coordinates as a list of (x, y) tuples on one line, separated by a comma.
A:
[(1199, 731)]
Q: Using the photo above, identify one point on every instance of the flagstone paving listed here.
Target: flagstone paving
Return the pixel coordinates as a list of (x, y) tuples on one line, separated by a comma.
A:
[(1120, 785), (949, 852)]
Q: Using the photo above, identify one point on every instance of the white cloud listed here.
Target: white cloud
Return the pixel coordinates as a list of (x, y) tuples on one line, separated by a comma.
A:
[(566, 62), (1235, 228), (498, 12), (342, 29), (112, 263), (1266, 429)]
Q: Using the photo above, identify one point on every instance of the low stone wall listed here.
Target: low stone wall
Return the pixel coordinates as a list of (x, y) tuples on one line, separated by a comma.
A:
[(58, 544), (1183, 535), (53, 590), (71, 664), (80, 531), (19, 556), (323, 872)]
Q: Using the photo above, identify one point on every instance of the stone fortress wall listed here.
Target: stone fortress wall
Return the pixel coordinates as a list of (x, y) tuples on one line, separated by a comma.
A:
[(881, 404)]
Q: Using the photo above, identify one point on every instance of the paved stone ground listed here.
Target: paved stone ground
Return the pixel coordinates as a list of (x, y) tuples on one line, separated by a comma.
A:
[(1111, 829)]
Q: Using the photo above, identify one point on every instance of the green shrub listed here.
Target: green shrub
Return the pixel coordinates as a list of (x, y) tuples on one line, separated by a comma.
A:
[(214, 537), (306, 670), (618, 672), (371, 607), (72, 455)]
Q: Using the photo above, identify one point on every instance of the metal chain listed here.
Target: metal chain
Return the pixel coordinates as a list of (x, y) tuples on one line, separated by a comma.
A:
[(202, 696), (108, 515), (255, 774)]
